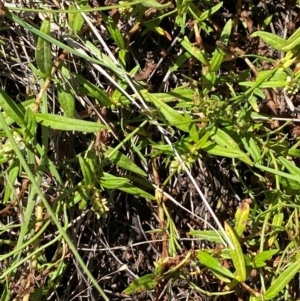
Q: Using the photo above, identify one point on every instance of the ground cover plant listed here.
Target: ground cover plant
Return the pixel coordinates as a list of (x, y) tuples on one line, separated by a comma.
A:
[(149, 150)]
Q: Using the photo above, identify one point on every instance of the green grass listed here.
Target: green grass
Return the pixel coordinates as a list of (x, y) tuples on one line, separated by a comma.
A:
[(85, 148)]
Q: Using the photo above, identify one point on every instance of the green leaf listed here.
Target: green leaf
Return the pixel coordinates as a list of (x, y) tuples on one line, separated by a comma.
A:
[(129, 188), (277, 172), (184, 123), (103, 58), (291, 186), (277, 79), (292, 168), (155, 4), (124, 162), (241, 218), (180, 61), (284, 278), (63, 123), (30, 123), (293, 151), (213, 264), (109, 181), (293, 41), (263, 76), (251, 147), (208, 82), (273, 40), (21, 107), (94, 91), (65, 94), (13, 173), (202, 141), (43, 49), (218, 54), (66, 100), (13, 111), (144, 182), (142, 284), (237, 255), (267, 22), (223, 139), (88, 174), (113, 30), (260, 259), (277, 224), (208, 13), (207, 235), (217, 150), (75, 20), (200, 55), (268, 84)]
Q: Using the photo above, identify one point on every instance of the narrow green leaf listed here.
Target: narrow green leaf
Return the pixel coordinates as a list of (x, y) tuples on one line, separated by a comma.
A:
[(273, 40), (113, 30), (13, 111), (75, 20), (268, 84), (277, 224), (284, 278), (43, 49), (123, 161), (144, 182), (241, 218), (213, 264), (202, 141), (65, 94), (66, 100), (142, 284), (200, 55), (267, 22), (180, 61), (217, 150), (207, 235), (184, 123), (88, 175), (290, 185), (30, 123), (218, 54), (208, 82), (223, 139), (22, 107), (13, 173), (237, 255), (262, 77), (292, 42), (93, 90), (292, 168), (109, 181), (210, 12), (251, 147), (129, 188), (63, 123), (293, 152), (277, 172), (103, 58), (260, 259), (155, 4)]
